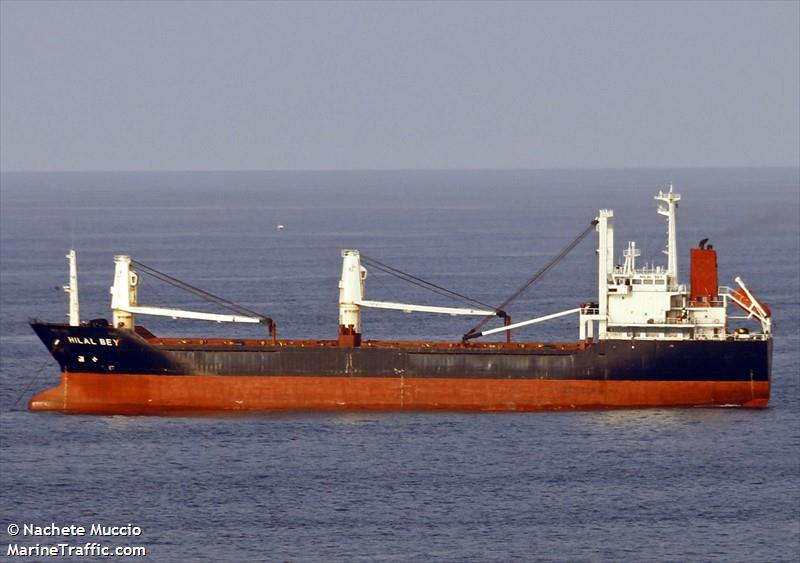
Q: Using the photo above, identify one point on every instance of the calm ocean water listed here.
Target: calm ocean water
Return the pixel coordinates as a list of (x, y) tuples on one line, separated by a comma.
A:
[(654, 485)]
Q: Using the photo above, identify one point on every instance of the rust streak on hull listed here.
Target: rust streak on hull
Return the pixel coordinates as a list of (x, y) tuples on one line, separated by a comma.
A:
[(159, 394)]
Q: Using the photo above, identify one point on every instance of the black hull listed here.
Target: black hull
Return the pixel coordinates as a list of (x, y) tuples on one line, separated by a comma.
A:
[(109, 371), (105, 350)]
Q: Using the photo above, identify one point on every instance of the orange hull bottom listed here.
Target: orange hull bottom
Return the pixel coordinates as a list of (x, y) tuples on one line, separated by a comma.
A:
[(161, 394)]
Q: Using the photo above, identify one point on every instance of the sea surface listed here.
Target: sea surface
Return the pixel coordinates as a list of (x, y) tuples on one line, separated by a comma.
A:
[(678, 485)]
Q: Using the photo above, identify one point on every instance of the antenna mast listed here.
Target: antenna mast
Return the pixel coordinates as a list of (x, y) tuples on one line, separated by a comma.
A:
[(72, 289), (671, 200)]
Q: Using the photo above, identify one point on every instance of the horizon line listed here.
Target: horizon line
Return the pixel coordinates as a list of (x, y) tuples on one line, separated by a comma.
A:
[(443, 169)]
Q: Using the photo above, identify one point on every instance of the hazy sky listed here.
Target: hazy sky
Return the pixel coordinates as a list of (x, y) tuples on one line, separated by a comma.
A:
[(349, 85)]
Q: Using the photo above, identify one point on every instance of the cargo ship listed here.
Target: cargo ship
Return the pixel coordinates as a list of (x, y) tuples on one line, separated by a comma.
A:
[(647, 341)]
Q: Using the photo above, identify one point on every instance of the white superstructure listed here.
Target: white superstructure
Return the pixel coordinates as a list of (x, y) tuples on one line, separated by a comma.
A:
[(649, 302)]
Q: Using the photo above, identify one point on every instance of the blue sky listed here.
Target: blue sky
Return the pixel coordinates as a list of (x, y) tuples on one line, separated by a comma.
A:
[(392, 85)]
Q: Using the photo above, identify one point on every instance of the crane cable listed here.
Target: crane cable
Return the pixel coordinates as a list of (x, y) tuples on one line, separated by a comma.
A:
[(225, 303), (474, 332), (430, 286)]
